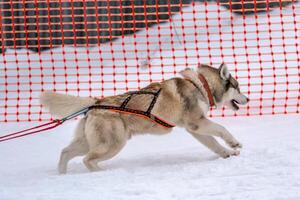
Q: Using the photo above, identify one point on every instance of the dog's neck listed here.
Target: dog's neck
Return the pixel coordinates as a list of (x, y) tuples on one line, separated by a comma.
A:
[(202, 85), (208, 90)]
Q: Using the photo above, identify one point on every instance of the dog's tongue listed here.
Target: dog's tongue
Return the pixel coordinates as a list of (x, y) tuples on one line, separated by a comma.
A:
[(234, 103)]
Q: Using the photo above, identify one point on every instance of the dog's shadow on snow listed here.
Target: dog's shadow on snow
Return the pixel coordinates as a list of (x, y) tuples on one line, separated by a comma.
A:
[(158, 161), (148, 161)]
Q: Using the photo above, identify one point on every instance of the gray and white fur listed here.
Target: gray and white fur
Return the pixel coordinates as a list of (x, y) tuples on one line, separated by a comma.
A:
[(102, 134)]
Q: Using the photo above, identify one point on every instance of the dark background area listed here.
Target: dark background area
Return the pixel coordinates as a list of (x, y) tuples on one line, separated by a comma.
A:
[(43, 25)]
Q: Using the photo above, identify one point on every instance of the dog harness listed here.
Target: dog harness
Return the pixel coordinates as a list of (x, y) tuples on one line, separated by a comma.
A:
[(123, 109), (147, 114)]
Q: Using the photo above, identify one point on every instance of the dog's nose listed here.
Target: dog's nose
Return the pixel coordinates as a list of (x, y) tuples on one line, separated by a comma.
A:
[(247, 99)]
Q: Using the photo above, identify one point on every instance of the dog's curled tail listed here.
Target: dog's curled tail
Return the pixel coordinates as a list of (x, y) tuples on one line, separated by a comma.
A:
[(62, 105)]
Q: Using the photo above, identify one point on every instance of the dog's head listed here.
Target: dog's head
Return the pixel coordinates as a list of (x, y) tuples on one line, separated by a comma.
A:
[(224, 87), (232, 95)]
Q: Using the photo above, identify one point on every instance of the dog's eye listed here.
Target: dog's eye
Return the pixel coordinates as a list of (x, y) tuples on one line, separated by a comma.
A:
[(237, 87), (227, 86), (233, 83)]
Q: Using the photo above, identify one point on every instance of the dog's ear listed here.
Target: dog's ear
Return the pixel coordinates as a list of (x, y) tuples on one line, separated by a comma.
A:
[(224, 72), (188, 73)]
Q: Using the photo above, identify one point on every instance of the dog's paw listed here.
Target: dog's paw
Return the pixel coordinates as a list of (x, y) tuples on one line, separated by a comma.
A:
[(62, 170), (228, 153), (235, 144)]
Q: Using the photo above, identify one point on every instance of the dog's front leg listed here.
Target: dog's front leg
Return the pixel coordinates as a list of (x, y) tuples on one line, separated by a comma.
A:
[(204, 126), (211, 143)]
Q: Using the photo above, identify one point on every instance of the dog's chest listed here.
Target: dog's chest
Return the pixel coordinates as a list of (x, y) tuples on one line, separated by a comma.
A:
[(203, 106)]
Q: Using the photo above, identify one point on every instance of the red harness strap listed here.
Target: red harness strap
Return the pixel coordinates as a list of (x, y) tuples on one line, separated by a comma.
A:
[(207, 89)]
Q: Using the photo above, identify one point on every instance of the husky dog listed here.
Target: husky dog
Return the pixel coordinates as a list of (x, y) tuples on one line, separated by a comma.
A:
[(101, 134)]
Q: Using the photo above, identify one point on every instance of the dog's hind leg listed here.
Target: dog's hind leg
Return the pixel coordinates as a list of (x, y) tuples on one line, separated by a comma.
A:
[(211, 143), (105, 139), (77, 147), (101, 153)]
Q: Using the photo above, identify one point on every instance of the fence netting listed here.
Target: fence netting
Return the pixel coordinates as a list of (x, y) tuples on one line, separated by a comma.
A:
[(99, 48)]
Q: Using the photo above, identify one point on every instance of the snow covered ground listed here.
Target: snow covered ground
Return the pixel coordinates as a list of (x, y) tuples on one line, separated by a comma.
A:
[(173, 166)]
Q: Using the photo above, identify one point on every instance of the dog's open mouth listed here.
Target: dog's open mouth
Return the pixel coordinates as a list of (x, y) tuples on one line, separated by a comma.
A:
[(234, 104)]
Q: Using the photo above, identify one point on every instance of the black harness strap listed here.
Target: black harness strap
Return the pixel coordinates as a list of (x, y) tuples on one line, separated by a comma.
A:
[(146, 114), (155, 96), (142, 92), (124, 104)]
